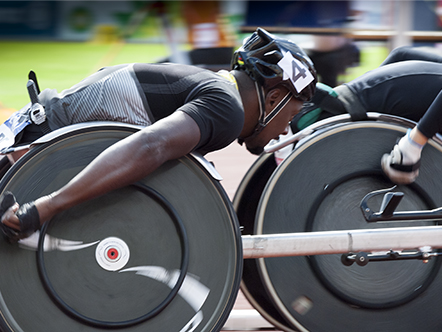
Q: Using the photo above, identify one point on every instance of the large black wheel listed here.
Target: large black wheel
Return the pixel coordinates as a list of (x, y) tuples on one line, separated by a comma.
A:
[(162, 255), (318, 188)]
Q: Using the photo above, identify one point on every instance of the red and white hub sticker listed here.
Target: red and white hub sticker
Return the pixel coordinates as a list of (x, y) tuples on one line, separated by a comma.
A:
[(112, 254)]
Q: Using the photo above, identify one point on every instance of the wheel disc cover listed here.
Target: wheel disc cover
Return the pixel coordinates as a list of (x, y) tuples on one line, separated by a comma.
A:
[(152, 240)]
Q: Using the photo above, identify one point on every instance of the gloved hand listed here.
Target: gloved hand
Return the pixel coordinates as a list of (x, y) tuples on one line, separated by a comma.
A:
[(27, 215)]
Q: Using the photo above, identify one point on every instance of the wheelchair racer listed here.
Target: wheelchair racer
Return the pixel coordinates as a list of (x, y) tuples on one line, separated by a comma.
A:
[(184, 109)]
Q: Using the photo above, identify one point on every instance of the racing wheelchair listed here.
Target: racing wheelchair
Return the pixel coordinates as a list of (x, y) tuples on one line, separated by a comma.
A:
[(170, 252)]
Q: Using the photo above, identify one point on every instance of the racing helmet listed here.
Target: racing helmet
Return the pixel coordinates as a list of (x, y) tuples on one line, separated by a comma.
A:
[(260, 57)]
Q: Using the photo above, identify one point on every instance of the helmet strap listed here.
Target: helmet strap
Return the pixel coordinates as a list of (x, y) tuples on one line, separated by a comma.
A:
[(284, 101), (262, 111), (263, 119)]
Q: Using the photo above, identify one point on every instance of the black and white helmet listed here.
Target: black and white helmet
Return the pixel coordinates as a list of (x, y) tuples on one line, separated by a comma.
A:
[(273, 61)]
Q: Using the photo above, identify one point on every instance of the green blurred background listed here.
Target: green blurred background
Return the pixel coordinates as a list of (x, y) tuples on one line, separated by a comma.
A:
[(60, 65), (69, 40)]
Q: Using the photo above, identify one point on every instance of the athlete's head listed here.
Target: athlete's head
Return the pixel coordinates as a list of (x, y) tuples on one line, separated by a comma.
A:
[(273, 61), (275, 65)]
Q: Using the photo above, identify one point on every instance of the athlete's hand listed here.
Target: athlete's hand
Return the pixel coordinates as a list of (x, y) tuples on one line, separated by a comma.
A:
[(10, 219)]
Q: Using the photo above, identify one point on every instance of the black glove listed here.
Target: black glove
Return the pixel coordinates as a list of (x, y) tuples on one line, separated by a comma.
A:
[(27, 215)]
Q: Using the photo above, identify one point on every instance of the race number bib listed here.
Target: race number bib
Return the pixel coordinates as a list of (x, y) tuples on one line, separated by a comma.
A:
[(296, 71)]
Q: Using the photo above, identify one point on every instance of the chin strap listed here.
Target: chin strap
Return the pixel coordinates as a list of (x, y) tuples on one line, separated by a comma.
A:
[(284, 101), (263, 119)]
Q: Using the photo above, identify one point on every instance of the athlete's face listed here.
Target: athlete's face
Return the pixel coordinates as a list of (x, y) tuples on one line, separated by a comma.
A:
[(277, 126)]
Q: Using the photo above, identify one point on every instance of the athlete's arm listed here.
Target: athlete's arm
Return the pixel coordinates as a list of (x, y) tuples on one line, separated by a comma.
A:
[(124, 163)]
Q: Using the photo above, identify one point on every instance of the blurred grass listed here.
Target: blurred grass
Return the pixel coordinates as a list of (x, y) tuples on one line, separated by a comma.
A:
[(371, 57), (59, 65)]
